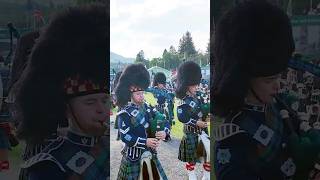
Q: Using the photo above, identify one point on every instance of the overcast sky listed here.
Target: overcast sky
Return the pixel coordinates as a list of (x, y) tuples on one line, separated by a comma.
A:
[(153, 25)]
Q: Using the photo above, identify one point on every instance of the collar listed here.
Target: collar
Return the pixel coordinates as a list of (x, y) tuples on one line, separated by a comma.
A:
[(254, 107), (81, 139), (131, 104)]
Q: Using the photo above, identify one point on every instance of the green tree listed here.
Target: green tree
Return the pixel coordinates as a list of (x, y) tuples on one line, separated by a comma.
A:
[(172, 50), (186, 46), (155, 62), (140, 57), (165, 59), (170, 59)]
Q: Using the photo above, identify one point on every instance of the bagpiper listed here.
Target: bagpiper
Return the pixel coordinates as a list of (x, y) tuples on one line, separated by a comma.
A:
[(165, 98), (259, 137), (66, 80), (141, 127), (114, 102), (190, 113)]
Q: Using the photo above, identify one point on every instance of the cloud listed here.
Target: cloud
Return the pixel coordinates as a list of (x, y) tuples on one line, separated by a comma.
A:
[(153, 25)]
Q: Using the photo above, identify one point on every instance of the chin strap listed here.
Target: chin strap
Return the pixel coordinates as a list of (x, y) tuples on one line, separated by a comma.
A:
[(75, 118)]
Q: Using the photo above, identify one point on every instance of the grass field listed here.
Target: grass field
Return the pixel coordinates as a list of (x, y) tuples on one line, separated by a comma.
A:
[(177, 129)]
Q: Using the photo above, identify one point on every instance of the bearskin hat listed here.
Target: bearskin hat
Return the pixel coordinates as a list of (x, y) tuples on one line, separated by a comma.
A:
[(69, 59), (159, 78), (189, 73), (254, 39), (135, 77)]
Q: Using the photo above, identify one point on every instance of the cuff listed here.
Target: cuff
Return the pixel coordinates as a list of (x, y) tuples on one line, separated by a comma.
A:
[(140, 143)]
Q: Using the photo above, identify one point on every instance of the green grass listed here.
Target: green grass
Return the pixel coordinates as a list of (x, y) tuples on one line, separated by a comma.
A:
[(177, 129), (16, 151)]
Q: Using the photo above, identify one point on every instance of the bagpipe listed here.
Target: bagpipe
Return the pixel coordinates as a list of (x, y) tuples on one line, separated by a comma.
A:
[(204, 137), (157, 123), (205, 104), (305, 66), (304, 141), (148, 168)]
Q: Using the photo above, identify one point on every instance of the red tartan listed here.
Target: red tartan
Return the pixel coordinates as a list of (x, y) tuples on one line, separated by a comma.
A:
[(207, 166), (74, 85), (4, 165), (190, 166)]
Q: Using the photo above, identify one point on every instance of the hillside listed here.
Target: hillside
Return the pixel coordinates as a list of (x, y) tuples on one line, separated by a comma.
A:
[(116, 58)]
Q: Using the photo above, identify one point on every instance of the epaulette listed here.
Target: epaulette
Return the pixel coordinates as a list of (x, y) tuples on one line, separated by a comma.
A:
[(122, 111), (78, 161), (45, 155), (226, 130), (189, 101), (41, 157), (131, 110)]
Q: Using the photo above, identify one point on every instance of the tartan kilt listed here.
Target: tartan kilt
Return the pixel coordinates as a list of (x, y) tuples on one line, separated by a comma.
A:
[(188, 147), (130, 170), (4, 140)]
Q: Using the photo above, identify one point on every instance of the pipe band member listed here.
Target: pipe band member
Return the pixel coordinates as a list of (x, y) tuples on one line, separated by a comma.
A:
[(253, 45), (66, 79), (189, 112), (141, 126)]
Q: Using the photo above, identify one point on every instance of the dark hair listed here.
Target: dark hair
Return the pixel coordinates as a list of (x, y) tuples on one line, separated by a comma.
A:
[(159, 78)]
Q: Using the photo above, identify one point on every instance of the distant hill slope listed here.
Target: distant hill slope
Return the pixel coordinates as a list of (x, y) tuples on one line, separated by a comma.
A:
[(116, 58)]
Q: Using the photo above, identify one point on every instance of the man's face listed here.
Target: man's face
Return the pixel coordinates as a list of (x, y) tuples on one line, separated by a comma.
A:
[(91, 112), (266, 87), (138, 97), (193, 89), (161, 86)]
